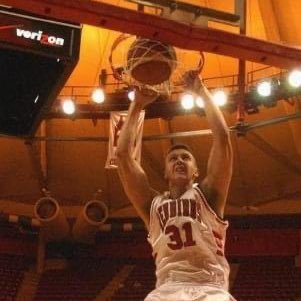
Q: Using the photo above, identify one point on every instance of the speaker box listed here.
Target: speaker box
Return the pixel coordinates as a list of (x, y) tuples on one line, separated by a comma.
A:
[(37, 56)]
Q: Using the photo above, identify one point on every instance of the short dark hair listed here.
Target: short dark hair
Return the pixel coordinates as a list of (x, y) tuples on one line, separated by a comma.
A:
[(179, 146)]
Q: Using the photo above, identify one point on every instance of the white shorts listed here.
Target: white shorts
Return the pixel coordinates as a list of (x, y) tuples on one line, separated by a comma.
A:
[(188, 292)]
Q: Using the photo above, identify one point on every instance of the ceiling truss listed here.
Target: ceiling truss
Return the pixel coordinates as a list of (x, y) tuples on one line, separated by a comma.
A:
[(151, 26)]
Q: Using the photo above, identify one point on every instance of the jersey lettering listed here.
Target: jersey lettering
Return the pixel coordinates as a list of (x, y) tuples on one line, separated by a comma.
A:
[(178, 207), (183, 207)]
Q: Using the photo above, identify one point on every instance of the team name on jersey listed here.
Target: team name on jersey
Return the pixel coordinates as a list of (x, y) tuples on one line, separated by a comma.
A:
[(186, 207), (178, 207)]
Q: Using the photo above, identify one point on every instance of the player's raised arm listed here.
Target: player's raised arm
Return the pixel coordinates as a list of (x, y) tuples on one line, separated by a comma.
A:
[(219, 168), (133, 177)]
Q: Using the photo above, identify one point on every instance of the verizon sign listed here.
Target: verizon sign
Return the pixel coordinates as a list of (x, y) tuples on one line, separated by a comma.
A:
[(36, 34), (40, 36)]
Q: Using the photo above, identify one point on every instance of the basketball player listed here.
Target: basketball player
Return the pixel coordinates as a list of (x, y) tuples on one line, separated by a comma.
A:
[(186, 227)]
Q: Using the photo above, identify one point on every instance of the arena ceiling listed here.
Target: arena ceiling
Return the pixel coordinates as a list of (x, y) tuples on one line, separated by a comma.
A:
[(267, 166)]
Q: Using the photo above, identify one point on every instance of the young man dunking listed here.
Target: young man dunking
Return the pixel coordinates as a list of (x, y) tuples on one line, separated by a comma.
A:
[(186, 227)]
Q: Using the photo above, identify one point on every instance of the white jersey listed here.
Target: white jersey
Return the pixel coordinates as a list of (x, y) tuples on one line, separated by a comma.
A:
[(188, 240)]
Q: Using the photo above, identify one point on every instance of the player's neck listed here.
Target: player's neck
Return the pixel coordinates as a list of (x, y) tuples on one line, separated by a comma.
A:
[(177, 189)]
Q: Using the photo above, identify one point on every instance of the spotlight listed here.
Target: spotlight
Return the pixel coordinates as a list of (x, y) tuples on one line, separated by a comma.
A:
[(98, 95), (200, 102), (68, 106), (220, 97), (294, 79), (131, 95), (264, 88), (187, 101)]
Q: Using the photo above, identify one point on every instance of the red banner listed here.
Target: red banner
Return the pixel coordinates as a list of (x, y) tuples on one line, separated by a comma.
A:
[(117, 120)]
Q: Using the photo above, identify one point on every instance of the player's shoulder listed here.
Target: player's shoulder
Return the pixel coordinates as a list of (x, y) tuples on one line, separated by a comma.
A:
[(198, 189)]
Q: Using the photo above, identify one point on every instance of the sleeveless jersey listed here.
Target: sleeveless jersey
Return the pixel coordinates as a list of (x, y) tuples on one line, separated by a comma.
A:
[(188, 240)]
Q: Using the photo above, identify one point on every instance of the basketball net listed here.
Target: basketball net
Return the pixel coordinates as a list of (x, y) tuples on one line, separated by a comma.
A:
[(148, 55)]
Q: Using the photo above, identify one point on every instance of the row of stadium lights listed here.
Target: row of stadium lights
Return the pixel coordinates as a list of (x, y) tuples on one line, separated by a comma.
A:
[(188, 101)]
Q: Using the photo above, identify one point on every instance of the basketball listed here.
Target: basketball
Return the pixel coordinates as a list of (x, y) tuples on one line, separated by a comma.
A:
[(150, 62)]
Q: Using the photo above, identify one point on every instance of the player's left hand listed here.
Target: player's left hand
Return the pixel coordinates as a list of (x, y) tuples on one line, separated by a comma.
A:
[(145, 95)]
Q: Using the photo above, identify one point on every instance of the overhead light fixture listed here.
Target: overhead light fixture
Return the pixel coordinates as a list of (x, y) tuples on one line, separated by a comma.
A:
[(294, 78), (68, 106), (131, 95), (264, 88), (220, 98), (200, 102), (187, 101), (98, 95)]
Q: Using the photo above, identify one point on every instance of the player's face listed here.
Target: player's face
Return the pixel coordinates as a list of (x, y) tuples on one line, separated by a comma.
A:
[(180, 166)]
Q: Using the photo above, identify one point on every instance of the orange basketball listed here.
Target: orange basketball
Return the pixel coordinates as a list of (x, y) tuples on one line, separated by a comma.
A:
[(151, 62)]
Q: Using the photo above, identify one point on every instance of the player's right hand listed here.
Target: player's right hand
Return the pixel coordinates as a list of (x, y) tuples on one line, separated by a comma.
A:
[(192, 81)]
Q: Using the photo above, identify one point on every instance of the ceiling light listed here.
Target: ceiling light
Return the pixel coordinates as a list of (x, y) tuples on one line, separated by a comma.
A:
[(200, 102), (264, 88), (98, 95), (68, 106), (294, 78), (187, 101), (220, 97), (131, 95)]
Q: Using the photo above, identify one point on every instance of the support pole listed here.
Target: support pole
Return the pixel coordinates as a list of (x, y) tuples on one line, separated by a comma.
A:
[(41, 252), (241, 65)]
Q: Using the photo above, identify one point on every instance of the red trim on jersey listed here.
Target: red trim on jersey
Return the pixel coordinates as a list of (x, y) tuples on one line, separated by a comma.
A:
[(217, 235), (152, 214), (219, 244), (218, 252), (208, 206)]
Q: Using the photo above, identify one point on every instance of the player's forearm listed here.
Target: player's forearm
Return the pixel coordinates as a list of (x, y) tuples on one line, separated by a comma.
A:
[(127, 138), (214, 116)]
